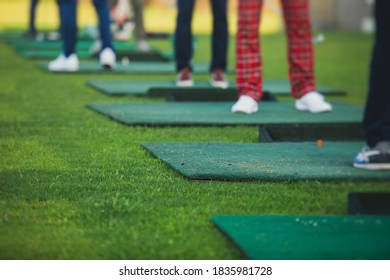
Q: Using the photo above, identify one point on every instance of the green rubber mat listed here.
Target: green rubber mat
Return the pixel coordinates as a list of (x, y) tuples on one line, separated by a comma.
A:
[(151, 88), (13, 35), (132, 55), (369, 203), (168, 88), (50, 54), (152, 55), (308, 237), (310, 132), (17, 36), (57, 45), (285, 161), (132, 67), (282, 87), (9, 36), (201, 91), (218, 113)]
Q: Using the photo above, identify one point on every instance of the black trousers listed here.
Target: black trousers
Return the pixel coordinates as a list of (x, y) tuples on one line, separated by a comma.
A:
[(376, 121), (183, 34)]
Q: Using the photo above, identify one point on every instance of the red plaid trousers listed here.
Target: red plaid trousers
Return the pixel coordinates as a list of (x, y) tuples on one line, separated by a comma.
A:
[(300, 48)]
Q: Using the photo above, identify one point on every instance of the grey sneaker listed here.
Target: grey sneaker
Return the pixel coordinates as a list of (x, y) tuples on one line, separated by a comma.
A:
[(375, 158)]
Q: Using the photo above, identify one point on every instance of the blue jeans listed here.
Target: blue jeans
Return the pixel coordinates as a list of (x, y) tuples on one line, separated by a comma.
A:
[(376, 121), (69, 24), (183, 34)]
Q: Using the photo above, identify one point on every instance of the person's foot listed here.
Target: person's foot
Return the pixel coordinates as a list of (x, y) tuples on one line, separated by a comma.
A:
[(54, 36), (30, 35), (245, 104), (64, 64), (143, 46), (40, 37), (313, 102), (107, 58), (123, 31), (218, 79), (184, 78), (375, 158), (96, 47)]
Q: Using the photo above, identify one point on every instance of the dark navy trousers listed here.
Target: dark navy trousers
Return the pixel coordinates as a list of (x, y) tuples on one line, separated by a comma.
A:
[(183, 34), (31, 23), (69, 24), (376, 121)]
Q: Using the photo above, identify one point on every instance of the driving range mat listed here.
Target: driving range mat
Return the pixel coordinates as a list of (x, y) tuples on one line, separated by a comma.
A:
[(136, 55), (284, 161), (201, 91), (308, 237), (9, 36), (51, 54), (310, 132), (132, 55), (133, 68), (272, 89), (219, 114), (57, 45), (83, 35), (369, 203), (282, 87), (12, 35)]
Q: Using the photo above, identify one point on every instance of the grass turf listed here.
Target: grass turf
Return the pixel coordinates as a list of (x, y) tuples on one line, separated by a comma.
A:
[(75, 185)]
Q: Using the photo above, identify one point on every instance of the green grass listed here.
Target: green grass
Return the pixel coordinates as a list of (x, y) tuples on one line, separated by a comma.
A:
[(76, 185)]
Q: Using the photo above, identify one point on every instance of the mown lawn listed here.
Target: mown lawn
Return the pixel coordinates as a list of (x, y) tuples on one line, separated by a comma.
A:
[(76, 185)]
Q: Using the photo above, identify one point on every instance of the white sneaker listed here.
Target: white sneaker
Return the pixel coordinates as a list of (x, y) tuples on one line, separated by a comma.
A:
[(184, 78), (218, 79), (54, 36), (245, 104), (96, 47), (313, 102), (124, 32), (107, 58), (143, 46), (64, 64)]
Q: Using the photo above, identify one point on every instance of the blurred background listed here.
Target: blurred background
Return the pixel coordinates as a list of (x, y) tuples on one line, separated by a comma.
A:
[(350, 15)]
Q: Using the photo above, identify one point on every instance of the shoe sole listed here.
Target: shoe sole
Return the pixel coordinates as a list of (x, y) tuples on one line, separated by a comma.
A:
[(301, 107), (107, 67), (108, 64), (373, 166), (244, 112), (185, 84), (219, 84), (238, 110), (63, 70)]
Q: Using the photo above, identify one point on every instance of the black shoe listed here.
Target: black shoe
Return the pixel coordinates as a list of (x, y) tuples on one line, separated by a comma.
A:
[(30, 35), (375, 158)]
